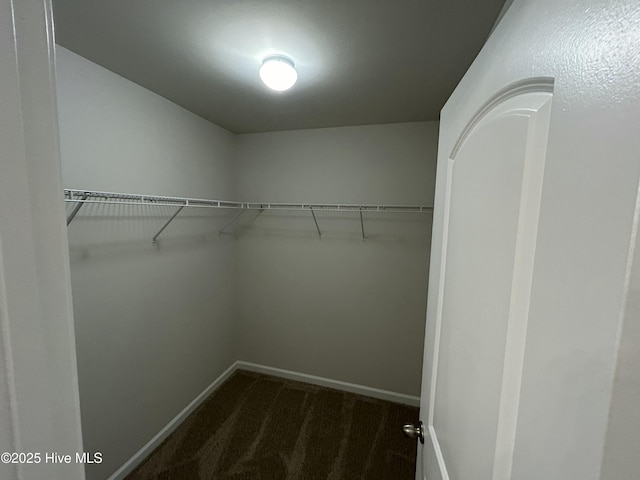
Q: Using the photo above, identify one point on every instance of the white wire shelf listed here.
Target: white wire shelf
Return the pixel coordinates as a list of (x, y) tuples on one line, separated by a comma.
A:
[(81, 197)]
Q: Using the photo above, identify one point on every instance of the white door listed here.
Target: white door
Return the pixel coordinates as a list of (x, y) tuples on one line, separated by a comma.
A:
[(491, 206), (537, 191)]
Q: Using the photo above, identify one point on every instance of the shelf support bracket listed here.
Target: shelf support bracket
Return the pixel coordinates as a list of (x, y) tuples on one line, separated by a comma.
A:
[(76, 209), (362, 225), (233, 219), (256, 216), (155, 237), (316, 222)]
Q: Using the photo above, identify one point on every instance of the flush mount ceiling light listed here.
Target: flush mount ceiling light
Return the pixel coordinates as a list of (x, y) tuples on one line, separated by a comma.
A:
[(278, 73)]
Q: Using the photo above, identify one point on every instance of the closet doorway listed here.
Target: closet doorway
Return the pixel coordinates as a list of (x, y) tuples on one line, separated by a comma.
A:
[(216, 226)]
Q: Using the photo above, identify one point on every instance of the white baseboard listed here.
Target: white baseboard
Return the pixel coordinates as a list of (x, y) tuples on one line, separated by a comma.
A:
[(174, 423), (327, 382)]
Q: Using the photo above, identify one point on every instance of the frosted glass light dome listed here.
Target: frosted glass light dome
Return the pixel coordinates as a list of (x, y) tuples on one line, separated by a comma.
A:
[(278, 73)]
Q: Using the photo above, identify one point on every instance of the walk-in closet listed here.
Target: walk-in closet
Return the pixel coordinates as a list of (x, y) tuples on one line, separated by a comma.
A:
[(316, 240), (301, 253), (254, 245)]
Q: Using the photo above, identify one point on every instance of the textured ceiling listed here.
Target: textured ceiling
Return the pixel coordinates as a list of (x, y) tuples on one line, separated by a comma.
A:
[(359, 61)]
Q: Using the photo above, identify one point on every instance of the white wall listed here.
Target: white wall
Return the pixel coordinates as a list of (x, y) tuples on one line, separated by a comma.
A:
[(153, 325), (337, 307)]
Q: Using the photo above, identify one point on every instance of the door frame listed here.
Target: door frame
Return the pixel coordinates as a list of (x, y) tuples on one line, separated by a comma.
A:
[(39, 401)]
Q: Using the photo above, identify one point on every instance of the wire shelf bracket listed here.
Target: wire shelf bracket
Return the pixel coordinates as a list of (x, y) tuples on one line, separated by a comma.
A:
[(316, 222), (76, 209), (155, 237), (230, 222)]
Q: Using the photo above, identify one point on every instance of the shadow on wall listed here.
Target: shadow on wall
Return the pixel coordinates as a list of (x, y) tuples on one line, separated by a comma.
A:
[(397, 227), (108, 230)]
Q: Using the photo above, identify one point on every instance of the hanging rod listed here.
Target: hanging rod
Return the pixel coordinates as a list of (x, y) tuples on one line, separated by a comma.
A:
[(81, 197)]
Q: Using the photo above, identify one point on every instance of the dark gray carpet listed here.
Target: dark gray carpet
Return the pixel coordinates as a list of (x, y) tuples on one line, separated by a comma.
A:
[(258, 427)]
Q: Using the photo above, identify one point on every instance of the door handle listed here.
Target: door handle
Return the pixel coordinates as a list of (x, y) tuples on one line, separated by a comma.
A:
[(413, 430)]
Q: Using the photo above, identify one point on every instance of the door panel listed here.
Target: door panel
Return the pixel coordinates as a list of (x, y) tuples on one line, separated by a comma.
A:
[(492, 198), (483, 221)]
